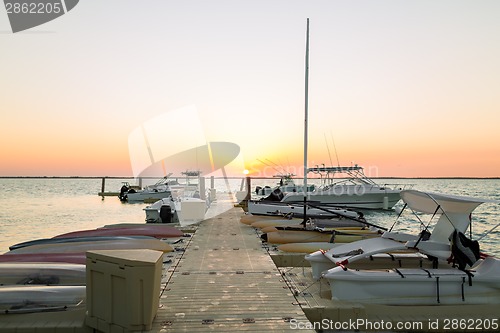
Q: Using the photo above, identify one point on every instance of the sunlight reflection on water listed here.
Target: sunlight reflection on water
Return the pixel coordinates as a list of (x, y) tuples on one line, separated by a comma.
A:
[(43, 208)]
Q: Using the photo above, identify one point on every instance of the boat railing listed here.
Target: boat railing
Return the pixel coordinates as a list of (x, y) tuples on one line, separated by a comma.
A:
[(399, 186), (359, 189)]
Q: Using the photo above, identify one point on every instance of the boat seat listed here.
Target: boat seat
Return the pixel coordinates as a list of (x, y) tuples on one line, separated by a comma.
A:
[(351, 252)]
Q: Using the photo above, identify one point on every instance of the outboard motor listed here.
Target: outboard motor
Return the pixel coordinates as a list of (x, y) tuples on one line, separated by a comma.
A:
[(166, 214), (275, 195), (123, 193)]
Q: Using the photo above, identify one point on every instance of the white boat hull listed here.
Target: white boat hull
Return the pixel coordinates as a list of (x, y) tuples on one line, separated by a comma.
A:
[(359, 196), (12, 273), (321, 260), (153, 211), (27, 298), (147, 195), (418, 286), (186, 210), (281, 208)]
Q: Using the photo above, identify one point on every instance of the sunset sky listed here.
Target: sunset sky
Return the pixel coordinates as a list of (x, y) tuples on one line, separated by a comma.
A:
[(403, 88)]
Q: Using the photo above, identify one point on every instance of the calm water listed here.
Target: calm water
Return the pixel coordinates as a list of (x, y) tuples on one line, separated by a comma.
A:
[(43, 208)]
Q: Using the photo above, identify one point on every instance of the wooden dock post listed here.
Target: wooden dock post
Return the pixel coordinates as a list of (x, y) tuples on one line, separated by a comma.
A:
[(249, 187), (201, 182)]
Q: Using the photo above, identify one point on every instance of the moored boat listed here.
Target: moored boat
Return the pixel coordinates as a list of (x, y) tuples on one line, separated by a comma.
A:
[(36, 298), (418, 286), (307, 236), (163, 231), (453, 214), (352, 189), (41, 273), (470, 279), (153, 244), (69, 257), (296, 209), (161, 189), (73, 239), (285, 185)]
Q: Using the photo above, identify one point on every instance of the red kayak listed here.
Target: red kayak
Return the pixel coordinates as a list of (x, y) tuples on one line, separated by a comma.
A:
[(155, 231), (74, 258)]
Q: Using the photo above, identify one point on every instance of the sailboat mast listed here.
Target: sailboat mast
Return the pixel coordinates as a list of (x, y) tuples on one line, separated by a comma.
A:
[(306, 108)]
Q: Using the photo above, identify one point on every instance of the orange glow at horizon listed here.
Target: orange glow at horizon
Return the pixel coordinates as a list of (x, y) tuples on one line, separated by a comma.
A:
[(396, 99)]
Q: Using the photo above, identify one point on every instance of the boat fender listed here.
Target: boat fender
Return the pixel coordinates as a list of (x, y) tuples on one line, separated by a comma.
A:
[(342, 264)]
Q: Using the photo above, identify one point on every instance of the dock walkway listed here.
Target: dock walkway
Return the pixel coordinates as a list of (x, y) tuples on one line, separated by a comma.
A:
[(226, 281)]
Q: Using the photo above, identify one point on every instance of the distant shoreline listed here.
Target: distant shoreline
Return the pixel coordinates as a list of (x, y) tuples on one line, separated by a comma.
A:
[(129, 177)]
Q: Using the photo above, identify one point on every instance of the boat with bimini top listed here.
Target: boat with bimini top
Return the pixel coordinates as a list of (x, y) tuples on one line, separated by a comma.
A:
[(460, 273), (348, 186), (161, 189)]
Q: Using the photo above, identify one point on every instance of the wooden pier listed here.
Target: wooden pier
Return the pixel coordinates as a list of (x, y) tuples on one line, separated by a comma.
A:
[(226, 281), (223, 279)]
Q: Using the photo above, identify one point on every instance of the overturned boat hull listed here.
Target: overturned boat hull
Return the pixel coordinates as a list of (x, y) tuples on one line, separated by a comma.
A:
[(35, 273)]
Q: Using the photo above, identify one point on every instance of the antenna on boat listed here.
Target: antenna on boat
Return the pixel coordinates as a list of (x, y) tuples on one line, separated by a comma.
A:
[(306, 105), (277, 165), (335, 148), (277, 170), (328, 148)]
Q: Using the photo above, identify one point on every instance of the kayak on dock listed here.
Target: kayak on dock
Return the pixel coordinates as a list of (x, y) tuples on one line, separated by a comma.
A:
[(153, 244), (156, 231), (35, 273)]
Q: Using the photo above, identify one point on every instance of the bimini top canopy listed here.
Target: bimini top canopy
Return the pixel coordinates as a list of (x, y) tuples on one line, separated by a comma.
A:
[(427, 202)]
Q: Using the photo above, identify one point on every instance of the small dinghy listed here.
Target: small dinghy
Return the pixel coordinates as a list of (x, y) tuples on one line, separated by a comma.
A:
[(34, 273), (153, 231), (308, 236), (472, 279), (27, 299), (405, 286), (71, 257), (453, 213), (73, 239), (152, 244)]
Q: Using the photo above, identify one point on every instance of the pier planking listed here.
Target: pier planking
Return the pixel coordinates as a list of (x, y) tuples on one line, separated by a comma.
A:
[(226, 281)]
